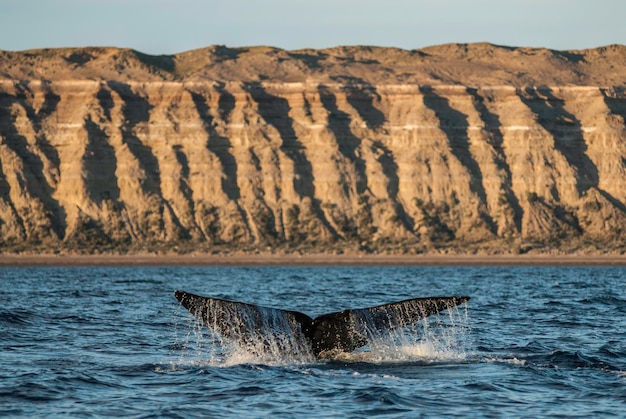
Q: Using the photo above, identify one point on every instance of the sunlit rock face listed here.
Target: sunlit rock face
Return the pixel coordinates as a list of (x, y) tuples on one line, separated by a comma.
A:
[(358, 148)]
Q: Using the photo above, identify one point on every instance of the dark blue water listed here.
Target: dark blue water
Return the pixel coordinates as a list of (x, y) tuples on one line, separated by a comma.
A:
[(532, 342)]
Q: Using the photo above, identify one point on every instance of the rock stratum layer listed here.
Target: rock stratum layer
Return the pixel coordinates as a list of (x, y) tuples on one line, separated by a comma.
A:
[(451, 148)]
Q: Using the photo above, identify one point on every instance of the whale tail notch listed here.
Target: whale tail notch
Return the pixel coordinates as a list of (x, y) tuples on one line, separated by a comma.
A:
[(342, 331)]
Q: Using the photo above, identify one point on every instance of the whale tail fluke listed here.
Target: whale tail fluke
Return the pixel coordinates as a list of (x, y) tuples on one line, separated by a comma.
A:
[(342, 331), (351, 329), (234, 319)]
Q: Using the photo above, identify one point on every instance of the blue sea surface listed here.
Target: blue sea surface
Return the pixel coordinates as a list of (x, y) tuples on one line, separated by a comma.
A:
[(113, 341)]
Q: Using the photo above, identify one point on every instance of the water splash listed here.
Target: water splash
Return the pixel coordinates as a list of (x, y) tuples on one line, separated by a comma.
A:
[(268, 337), (440, 337)]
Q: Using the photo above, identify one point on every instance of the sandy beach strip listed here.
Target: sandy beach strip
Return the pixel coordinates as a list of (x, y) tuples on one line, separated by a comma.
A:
[(311, 260)]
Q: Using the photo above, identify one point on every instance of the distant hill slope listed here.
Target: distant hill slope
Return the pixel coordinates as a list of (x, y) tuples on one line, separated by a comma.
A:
[(465, 64)]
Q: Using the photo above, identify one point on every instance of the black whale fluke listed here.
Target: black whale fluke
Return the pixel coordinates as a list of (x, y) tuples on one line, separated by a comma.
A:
[(342, 331)]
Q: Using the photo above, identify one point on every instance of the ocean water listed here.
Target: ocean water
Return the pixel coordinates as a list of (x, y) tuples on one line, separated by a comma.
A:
[(113, 341)]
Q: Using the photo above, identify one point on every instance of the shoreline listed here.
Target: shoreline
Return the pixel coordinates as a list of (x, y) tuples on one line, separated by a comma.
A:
[(311, 260)]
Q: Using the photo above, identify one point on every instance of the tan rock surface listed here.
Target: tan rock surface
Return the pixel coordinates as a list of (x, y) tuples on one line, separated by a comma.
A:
[(454, 148)]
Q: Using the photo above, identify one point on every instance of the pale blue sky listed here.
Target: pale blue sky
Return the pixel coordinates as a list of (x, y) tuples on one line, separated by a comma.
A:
[(170, 26)]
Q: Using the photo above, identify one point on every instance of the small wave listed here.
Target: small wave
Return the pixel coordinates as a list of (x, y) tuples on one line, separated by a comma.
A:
[(72, 380), (137, 370), (604, 300), (383, 401), (574, 360), (614, 351), (31, 392), (558, 359), (14, 318)]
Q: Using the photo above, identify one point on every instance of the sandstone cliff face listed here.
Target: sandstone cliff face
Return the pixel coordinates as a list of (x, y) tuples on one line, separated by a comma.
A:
[(108, 164)]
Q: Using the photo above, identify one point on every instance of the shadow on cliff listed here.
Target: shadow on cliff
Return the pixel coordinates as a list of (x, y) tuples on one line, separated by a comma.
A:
[(349, 145), (100, 165), (136, 110), (566, 131), (617, 107), (312, 59), (339, 123), (165, 63), (34, 180), (363, 101), (105, 100), (48, 107), (220, 146), (5, 197), (455, 125), (493, 126), (390, 170), (184, 187), (568, 136), (275, 111), (182, 160)]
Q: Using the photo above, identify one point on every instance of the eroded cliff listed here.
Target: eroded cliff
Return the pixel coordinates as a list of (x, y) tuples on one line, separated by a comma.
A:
[(102, 153)]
